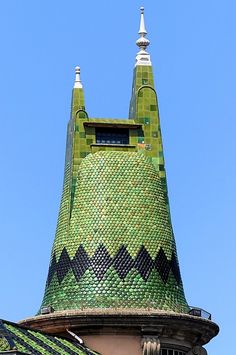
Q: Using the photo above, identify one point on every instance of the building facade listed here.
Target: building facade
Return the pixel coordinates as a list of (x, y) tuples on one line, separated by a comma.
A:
[(114, 277)]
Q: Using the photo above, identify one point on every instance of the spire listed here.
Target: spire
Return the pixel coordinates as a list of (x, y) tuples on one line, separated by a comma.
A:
[(142, 29), (78, 84), (78, 102), (142, 58)]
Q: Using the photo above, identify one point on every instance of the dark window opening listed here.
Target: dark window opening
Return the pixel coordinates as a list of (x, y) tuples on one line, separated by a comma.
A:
[(112, 136)]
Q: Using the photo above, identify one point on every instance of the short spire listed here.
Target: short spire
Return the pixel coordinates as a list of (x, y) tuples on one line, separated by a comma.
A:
[(142, 30), (142, 58), (78, 84), (142, 42)]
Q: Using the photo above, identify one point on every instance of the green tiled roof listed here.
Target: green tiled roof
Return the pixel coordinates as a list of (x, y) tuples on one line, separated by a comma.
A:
[(28, 341), (120, 250), (114, 245)]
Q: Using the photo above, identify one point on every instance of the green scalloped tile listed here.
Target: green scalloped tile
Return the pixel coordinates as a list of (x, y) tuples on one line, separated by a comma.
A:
[(114, 197)]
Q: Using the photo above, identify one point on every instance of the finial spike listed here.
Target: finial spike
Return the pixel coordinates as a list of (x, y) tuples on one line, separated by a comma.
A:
[(142, 58), (78, 84), (142, 29)]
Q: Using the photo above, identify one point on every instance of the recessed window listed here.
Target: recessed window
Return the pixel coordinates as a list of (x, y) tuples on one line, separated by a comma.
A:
[(112, 136)]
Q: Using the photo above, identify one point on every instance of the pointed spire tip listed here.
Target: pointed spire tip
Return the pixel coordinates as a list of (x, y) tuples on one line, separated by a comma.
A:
[(142, 29), (142, 58), (142, 42), (78, 83)]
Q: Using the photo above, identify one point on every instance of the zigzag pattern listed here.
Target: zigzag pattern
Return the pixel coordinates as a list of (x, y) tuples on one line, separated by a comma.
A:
[(101, 261)]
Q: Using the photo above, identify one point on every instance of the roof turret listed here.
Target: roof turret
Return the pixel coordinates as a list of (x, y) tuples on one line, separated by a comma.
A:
[(114, 268), (114, 246)]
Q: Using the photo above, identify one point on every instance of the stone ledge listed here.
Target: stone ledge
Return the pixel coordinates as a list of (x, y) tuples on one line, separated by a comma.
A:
[(179, 326)]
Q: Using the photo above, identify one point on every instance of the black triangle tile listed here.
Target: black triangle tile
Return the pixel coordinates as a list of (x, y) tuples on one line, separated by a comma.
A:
[(52, 269), (175, 268), (144, 263), (162, 265), (100, 262), (63, 265), (80, 263), (123, 262)]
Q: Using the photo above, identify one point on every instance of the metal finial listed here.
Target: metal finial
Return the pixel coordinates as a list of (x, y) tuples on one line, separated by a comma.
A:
[(142, 42), (142, 57), (78, 83), (77, 70), (142, 29)]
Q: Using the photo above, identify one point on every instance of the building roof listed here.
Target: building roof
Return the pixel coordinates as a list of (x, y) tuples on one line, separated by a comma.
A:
[(120, 250), (114, 245), (20, 339)]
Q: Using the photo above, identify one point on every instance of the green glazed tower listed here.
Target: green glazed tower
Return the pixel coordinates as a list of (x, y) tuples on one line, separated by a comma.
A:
[(114, 245), (114, 253)]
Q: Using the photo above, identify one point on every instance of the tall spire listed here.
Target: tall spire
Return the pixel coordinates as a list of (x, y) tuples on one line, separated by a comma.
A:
[(142, 29), (142, 58)]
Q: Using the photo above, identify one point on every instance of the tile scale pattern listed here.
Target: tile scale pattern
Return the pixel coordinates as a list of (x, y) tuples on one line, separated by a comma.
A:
[(71, 163), (120, 251), (114, 245), (27, 341)]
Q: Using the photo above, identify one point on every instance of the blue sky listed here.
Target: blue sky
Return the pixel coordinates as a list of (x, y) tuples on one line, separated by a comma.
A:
[(193, 51)]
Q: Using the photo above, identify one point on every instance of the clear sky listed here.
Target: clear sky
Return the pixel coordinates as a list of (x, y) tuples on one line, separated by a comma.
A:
[(193, 51)]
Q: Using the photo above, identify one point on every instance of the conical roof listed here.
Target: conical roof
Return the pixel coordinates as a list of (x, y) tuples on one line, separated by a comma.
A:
[(120, 251), (114, 245)]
